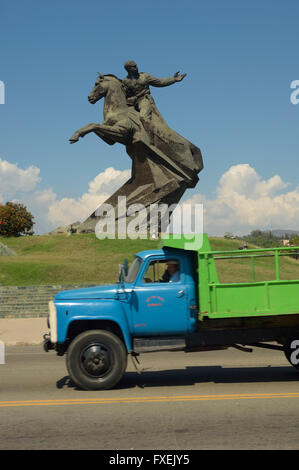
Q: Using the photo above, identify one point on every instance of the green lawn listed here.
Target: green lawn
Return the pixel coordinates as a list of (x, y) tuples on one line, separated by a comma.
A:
[(63, 260), (83, 259)]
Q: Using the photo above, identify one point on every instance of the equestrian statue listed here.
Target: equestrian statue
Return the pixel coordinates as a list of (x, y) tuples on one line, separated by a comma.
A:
[(164, 164)]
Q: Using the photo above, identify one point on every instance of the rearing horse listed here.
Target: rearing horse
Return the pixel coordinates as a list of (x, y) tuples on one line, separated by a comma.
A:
[(117, 125), (165, 164)]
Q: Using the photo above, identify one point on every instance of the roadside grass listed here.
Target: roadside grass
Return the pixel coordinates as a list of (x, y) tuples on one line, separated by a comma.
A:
[(83, 259)]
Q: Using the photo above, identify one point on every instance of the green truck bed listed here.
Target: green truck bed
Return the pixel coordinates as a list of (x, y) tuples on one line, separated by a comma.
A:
[(236, 299)]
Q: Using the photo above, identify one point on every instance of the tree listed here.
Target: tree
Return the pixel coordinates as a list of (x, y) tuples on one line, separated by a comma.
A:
[(263, 239), (294, 240), (15, 220)]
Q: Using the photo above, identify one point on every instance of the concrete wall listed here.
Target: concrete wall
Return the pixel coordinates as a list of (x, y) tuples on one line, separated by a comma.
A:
[(28, 301)]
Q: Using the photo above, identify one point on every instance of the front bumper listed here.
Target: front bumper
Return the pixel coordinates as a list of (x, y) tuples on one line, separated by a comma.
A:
[(47, 343)]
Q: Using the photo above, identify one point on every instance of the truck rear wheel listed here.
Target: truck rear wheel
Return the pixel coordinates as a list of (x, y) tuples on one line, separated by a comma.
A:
[(291, 351), (96, 360)]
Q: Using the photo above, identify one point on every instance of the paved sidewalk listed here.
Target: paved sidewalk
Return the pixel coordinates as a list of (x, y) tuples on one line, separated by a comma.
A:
[(22, 330)]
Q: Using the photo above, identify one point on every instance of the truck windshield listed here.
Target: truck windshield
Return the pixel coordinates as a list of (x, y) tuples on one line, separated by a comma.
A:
[(133, 271)]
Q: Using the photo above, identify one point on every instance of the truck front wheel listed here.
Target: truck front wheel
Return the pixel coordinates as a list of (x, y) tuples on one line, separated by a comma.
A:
[(96, 360)]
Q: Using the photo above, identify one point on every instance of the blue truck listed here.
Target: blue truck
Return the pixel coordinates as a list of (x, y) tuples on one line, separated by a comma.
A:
[(171, 299)]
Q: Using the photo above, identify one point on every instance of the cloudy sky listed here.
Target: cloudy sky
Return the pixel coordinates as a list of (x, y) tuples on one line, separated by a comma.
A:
[(240, 57)]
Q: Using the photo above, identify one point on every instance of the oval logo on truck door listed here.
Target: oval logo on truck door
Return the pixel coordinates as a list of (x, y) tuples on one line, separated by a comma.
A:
[(154, 301)]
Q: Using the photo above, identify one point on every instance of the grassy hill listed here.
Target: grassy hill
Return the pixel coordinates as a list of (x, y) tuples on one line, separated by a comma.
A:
[(83, 259), (63, 260)]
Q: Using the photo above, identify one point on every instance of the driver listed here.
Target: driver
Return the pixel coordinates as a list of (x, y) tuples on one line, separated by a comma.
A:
[(173, 269)]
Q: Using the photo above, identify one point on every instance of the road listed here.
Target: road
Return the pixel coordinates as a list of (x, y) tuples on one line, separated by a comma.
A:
[(211, 400)]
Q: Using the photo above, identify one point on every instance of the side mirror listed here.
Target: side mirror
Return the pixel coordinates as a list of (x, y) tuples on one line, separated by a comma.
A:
[(123, 270), (121, 273), (126, 267)]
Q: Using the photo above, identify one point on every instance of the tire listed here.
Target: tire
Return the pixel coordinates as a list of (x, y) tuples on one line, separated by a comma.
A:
[(288, 351), (96, 360)]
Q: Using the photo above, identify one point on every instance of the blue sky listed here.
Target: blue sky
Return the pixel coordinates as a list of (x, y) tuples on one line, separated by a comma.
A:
[(240, 58)]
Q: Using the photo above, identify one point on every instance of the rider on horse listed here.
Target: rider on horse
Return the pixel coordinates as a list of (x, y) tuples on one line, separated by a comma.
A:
[(137, 87)]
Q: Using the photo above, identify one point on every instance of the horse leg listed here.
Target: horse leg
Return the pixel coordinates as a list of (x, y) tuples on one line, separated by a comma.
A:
[(118, 133), (82, 132)]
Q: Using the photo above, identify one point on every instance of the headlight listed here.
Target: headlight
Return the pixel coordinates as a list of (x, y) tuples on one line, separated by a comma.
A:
[(53, 322)]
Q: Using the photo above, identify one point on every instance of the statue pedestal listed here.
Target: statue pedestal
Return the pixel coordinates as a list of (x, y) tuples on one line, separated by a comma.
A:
[(154, 180)]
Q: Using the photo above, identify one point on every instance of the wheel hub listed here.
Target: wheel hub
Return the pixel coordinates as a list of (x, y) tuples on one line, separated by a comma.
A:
[(95, 360)]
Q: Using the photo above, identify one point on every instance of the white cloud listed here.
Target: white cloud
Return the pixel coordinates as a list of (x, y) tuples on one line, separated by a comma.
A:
[(68, 210), (50, 212), (243, 179), (244, 202), (13, 179), (38, 203)]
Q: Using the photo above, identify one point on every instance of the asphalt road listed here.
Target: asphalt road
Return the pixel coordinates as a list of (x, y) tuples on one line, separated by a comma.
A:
[(211, 400)]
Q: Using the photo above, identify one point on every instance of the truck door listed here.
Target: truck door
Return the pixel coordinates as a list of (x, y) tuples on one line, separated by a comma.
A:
[(159, 300)]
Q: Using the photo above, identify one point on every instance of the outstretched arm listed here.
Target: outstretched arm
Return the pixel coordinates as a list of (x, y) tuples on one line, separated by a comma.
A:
[(160, 82)]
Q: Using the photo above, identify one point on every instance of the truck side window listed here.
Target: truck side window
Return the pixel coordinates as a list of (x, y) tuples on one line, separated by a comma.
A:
[(162, 271)]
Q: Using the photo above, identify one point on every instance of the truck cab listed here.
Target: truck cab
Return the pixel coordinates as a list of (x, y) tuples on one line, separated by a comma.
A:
[(146, 303), (158, 302)]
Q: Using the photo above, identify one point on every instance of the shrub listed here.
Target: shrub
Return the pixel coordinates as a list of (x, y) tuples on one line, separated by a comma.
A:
[(15, 220)]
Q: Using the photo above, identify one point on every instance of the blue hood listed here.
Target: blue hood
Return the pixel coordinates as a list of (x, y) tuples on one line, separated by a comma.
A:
[(98, 292)]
